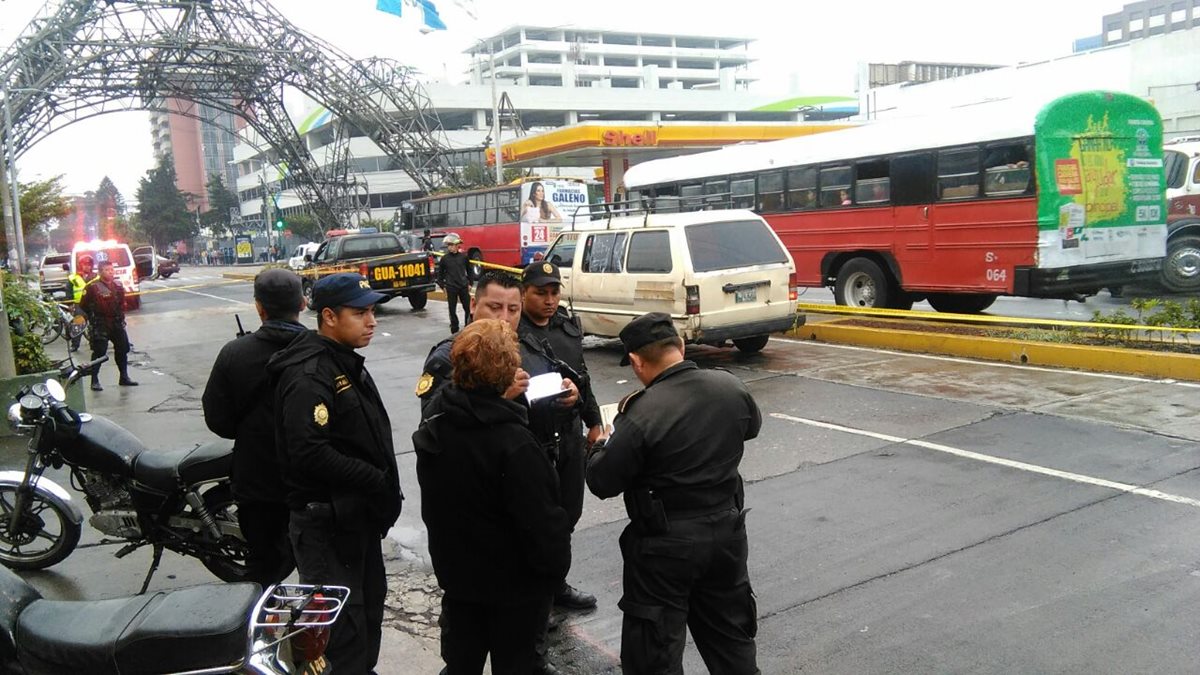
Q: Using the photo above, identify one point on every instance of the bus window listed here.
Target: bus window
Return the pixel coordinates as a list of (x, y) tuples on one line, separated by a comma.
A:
[(741, 192), (912, 179), (958, 173), (802, 188), (1006, 170), (770, 192), (716, 194), (835, 186), (871, 185), (508, 205), (474, 217), (691, 197)]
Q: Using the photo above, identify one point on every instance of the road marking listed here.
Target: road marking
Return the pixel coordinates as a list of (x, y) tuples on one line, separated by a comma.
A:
[(997, 364), (1000, 461), (215, 297)]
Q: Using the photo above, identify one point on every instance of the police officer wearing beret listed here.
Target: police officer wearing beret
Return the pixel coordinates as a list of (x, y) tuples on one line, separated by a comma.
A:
[(552, 341), (336, 455), (674, 453)]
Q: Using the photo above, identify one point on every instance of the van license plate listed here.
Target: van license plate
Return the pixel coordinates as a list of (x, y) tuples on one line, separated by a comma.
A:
[(745, 295)]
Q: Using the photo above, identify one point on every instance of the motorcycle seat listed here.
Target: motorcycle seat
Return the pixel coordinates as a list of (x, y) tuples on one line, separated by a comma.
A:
[(164, 470), (187, 629)]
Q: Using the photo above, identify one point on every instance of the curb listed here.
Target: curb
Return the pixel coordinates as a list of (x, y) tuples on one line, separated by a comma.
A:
[(1141, 362)]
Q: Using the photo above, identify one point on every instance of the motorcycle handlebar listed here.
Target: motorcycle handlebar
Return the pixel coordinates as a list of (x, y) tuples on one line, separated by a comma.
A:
[(72, 373)]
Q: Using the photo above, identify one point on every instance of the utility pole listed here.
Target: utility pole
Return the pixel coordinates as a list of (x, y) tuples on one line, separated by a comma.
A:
[(18, 235), (495, 115)]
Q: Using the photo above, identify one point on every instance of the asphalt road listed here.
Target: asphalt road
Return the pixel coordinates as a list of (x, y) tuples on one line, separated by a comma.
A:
[(910, 514)]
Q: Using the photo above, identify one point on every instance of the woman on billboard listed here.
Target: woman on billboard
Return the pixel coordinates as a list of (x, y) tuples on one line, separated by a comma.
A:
[(537, 208)]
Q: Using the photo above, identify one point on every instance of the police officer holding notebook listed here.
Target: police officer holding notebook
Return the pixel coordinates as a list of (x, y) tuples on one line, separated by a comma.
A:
[(674, 453)]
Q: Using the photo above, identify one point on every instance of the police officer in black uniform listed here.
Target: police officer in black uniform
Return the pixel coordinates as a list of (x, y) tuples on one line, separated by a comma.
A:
[(552, 341), (237, 404), (497, 296), (674, 453), (336, 454)]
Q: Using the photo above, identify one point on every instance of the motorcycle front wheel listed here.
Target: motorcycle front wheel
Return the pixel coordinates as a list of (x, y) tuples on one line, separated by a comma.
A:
[(228, 560), (44, 535)]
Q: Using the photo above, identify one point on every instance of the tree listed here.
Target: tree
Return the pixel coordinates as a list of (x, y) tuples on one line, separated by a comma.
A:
[(220, 201), (112, 218), (162, 208), (42, 203), (476, 175), (305, 226)]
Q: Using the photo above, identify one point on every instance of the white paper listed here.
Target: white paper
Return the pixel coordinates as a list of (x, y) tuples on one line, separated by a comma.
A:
[(608, 413), (542, 386)]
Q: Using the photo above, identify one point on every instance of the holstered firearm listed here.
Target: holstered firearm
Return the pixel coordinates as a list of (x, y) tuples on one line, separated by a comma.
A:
[(648, 517)]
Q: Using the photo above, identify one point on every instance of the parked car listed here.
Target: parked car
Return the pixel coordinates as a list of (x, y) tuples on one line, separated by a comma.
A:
[(52, 276), (297, 261), (722, 275), (167, 267)]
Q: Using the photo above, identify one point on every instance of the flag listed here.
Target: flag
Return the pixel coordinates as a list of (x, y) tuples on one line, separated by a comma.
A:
[(389, 6), (432, 20)]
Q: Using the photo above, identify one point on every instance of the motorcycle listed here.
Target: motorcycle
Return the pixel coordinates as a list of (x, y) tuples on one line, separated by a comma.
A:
[(174, 500), (212, 628)]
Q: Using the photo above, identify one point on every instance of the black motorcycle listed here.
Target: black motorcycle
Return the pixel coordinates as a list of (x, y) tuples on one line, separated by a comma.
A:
[(213, 628), (175, 500)]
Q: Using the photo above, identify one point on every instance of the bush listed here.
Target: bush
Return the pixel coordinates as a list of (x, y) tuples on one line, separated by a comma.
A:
[(24, 307)]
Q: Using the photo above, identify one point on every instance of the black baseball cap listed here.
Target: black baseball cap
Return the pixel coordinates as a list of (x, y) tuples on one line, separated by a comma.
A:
[(540, 274), (346, 289), (645, 329), (277, 288)]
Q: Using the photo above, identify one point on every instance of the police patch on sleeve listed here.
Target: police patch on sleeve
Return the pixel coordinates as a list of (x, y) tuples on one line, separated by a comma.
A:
[(424, 384), (321, 414)]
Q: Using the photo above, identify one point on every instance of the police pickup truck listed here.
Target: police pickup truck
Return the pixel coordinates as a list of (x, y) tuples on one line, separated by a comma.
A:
[(381, 257)]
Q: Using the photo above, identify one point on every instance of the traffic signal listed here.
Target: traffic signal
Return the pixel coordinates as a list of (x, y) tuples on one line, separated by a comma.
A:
[(280, 224)]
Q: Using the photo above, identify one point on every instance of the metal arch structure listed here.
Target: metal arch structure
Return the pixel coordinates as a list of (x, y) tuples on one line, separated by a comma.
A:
[(83, 58)]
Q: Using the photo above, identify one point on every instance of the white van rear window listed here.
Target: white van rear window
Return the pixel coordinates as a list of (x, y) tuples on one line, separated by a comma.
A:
[(119, 256), (730, 244)]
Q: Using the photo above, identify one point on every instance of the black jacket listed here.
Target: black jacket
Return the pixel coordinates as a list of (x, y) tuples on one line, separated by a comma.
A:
[(333, 434), (454, 271), (237, 405), (682, 437), (489, 497), (561, 339)]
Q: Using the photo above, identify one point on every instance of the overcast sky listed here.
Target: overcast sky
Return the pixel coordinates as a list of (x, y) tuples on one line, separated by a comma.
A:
[(810, 48)]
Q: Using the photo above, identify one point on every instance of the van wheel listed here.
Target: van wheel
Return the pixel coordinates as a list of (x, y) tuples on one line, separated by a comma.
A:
[(307, 289), (860, 283), (418, 300), (751, 345), (961, 303)]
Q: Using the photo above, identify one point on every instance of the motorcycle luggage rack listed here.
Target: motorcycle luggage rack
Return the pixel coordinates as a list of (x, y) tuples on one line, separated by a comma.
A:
[(299, 606)]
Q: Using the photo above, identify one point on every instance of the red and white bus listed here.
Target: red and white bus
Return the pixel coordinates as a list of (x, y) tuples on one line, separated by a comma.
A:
[(1035, 199), (1181, 271), (507, 225)]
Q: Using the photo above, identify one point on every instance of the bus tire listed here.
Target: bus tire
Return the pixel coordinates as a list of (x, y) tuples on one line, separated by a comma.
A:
[(961, 303), (1181, 268), (475, 257), (417, 300), (861, 283), (750, 345)]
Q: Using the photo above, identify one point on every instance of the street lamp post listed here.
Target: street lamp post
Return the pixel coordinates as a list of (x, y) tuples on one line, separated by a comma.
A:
[(499, 163), (11, 152)]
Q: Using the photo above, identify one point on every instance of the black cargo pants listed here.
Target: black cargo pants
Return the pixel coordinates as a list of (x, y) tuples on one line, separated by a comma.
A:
[(694, 577)]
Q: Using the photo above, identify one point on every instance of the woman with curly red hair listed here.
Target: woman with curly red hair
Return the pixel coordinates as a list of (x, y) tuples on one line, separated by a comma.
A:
[(500, 542)]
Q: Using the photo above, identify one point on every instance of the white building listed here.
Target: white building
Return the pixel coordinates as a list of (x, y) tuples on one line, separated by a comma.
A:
[(614, 78)]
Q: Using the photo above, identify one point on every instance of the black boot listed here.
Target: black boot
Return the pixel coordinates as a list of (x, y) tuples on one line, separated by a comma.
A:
[(125, 380), (96, 384)]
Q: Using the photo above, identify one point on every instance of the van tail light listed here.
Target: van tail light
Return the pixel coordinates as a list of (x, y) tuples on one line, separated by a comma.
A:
[(133, 275), (362, 269), (432, 263), (793, 288), (41, 277), (693, 299)]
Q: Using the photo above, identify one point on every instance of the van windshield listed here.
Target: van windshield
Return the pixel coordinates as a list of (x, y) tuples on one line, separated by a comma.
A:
[(725, 245)]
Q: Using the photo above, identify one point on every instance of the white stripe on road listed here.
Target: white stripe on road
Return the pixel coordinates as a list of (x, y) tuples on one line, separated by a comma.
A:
[(214, 297), (1012, 464)]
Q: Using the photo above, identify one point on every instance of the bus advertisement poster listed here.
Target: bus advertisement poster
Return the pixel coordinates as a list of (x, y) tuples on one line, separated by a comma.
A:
[(1100, 182)]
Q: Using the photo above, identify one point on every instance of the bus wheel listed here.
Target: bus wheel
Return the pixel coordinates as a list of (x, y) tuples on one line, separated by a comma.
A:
[(860, 283), (418, 300), (961, 303), (476, 257), (751, 344), (1181, 269)]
